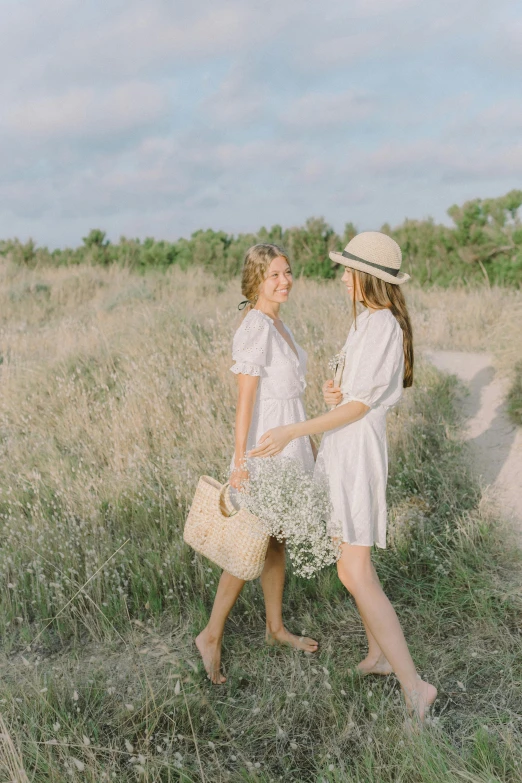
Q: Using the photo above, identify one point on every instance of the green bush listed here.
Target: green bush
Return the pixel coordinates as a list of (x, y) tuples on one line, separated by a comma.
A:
[(484, 244)]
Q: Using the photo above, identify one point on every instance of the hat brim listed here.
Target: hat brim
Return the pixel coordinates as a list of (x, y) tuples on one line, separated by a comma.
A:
[(338, 258)]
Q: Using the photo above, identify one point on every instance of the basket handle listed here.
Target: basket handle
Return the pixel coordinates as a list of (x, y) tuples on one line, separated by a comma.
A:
[(222, 504)]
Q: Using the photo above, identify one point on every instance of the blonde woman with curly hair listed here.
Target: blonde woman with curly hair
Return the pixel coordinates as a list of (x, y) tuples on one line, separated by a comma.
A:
[(270, 367)]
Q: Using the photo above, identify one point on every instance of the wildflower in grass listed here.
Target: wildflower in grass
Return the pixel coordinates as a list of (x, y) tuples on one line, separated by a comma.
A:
[(295, 508)]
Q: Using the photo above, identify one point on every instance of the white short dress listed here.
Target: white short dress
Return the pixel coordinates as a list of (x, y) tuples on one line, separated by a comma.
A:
[(259, 349), (354, 457)]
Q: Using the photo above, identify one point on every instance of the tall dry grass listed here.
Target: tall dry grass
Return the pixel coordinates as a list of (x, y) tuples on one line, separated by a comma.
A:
[(116, 395)]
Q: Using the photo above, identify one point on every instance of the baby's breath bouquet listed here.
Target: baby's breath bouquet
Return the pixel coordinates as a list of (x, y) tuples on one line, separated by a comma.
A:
[(336, 365), (294, 506)]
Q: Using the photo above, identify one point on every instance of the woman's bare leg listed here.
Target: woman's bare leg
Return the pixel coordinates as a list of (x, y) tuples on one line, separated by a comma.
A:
[(358, 575), (272, 582), (209, 640), (376, 661)]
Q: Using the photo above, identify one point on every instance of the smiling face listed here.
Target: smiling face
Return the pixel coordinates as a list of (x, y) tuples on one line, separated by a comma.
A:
[(351, 281), (278, 282)]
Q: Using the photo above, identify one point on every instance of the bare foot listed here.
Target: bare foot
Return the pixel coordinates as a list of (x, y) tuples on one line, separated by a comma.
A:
[(298, 642), (374, 665), (210, 651), (419, 701)]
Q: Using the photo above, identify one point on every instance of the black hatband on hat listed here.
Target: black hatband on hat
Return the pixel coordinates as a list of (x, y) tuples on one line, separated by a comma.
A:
[(387, 269)]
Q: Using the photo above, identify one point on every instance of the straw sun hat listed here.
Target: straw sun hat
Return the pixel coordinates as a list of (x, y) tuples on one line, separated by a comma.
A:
[(375, 253)]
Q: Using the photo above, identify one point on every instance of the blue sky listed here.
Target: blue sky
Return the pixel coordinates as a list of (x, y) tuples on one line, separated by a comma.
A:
[(156, 118)]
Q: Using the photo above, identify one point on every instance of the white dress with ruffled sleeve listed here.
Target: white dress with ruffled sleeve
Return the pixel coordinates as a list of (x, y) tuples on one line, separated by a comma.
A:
[(354, 457), (259, 349)]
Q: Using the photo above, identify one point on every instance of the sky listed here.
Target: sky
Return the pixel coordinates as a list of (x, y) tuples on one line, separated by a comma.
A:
[(158, 118)]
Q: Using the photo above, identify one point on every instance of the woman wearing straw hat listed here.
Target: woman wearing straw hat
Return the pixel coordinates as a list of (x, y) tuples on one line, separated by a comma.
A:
[(353, 454)]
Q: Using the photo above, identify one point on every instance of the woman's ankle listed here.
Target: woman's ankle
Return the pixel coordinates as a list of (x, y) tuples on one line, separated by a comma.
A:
[(210, 636)]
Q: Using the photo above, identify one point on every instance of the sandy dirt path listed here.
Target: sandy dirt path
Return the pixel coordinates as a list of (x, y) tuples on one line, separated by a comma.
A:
[(496, 443)]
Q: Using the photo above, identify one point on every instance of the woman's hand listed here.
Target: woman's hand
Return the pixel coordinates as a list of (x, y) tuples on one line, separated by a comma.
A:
[(238, 478), (332, 394), (272, 442)]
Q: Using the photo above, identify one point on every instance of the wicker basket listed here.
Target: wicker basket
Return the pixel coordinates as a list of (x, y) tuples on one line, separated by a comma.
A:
[(235, 540)]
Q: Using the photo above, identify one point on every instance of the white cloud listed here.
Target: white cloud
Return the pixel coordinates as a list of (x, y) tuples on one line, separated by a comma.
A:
[(86, 113), (237, 101), (344, 48), (437, 160), (327, 110)]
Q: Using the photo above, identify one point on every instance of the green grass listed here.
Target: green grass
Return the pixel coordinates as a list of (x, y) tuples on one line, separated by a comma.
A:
[(287, 716), (108, 415), (514, 399)]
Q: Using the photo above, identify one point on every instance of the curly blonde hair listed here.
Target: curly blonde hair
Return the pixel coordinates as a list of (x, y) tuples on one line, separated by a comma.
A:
[(255, 267)]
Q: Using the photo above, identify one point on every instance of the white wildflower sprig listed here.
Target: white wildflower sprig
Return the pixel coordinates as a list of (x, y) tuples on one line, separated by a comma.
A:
[(336, 361), (295, 507)]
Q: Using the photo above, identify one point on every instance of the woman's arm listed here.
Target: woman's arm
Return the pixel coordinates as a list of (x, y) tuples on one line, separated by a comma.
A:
[(274, 441), (246, 397)]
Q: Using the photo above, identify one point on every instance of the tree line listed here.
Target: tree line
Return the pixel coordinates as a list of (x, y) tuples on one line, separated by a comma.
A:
[(483, 244)]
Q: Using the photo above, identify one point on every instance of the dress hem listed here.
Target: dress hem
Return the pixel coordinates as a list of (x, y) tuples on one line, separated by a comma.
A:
[(357, 543)]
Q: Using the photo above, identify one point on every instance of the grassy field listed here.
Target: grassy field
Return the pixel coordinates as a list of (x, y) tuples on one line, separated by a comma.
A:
[(515, 395), (116, 395)]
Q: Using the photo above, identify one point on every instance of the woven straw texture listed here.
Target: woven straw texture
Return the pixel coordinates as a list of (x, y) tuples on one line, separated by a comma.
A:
[(236, 544), (377, 248)]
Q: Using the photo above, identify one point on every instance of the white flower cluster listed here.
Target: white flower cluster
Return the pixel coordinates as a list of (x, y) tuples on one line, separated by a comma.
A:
[(336, 365), (294, 507), (335, 361)]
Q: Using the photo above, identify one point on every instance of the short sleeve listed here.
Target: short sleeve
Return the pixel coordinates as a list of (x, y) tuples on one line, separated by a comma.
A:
[(380, 360), (251, 345)]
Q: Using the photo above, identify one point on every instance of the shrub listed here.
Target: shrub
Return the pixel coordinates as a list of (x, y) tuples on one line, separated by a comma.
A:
[(484, 244)]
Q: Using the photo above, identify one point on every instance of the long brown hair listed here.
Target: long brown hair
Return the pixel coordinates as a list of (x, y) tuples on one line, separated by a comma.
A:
[(255, 267), (379, 294)]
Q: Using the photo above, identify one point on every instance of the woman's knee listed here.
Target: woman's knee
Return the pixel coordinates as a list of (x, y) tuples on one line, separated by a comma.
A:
[(347, 576), (355, 576)]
